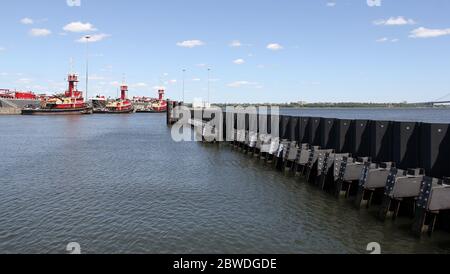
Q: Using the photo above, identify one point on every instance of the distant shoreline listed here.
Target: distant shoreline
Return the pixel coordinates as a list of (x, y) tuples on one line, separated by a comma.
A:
[(338, 105)]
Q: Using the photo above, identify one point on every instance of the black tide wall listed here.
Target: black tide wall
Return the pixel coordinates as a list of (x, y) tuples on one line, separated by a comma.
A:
[(407, 144)]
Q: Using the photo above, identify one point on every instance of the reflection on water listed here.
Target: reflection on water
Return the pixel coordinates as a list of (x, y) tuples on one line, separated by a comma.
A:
[(119, 184)]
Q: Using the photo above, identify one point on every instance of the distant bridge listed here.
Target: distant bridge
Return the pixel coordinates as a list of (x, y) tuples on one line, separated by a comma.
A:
[(439, 101)]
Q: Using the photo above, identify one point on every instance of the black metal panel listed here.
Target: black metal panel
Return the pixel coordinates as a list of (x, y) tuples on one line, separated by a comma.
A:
[(327, 133), (343, 143), (285, 127), (314, 132), (269, 124), (303, 130), (361, 138), (294, 128), (381, 141), (224, 125), (435, 149), (406, 144), (247, 121)]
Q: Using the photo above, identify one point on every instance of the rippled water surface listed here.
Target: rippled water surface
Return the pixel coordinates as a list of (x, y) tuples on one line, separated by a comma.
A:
[(119, 184)]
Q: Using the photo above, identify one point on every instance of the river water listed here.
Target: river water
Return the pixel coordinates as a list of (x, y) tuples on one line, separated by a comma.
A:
[(119, 184)]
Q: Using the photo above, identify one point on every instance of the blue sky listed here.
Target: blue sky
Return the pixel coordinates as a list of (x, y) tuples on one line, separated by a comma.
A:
[(258, 50)]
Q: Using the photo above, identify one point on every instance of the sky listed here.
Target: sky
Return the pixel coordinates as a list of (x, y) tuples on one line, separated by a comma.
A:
[(256, 50)]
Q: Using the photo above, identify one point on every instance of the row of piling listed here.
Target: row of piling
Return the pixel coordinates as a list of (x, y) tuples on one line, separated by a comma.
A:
[(400, 167)]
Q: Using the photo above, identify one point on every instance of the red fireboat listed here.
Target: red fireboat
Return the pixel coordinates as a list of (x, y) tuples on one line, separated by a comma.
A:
[(151, 105), (69, 103), (119, 106)]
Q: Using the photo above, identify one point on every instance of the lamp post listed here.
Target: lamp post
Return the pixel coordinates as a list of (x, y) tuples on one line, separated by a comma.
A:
[(87, 37), (184, 80), (209, 86)]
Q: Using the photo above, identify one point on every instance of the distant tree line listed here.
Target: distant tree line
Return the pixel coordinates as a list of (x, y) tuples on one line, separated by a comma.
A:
[(330, 105)]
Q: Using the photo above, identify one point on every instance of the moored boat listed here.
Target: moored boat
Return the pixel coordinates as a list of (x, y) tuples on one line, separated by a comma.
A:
[(158, 105), (98, 103), (18, 99), (119, 106), (70, 103)]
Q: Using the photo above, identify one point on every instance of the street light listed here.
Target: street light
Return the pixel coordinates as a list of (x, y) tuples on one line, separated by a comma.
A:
[(87, 37), (184, 79), (209, 86)]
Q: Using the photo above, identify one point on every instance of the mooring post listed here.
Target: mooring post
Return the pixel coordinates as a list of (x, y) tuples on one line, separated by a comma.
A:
[(350, 171), (400, 185), (374, 177), (330, 164), (169, 112), (432, 200)]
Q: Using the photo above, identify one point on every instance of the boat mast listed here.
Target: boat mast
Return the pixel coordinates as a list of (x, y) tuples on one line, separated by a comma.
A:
[(123, 89)]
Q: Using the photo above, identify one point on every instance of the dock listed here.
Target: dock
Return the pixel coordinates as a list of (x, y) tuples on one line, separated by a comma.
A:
[(10, 111), (394, 168)]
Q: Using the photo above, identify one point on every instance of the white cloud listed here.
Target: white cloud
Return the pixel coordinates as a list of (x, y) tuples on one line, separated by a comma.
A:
[(173, 81), (73, 3), (382, 40), (196, 79), (374, 3), (2, 49), (395, 21), (239, 61), (239, 84), (191, 44), (96, 78), (40, 32), (428, 33), (331, 4), (140, 85), (202, 65), (235, 44), (115, 83), (93, 38), (27, 21), (24, 80), (274, 46), (107, 68), (386, 39), (79, 27)]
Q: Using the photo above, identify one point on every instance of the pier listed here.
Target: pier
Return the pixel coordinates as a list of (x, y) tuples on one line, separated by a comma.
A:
[(396, 168)]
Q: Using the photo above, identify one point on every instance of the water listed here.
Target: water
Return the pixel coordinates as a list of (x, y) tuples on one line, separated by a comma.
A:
[(119, 184)]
